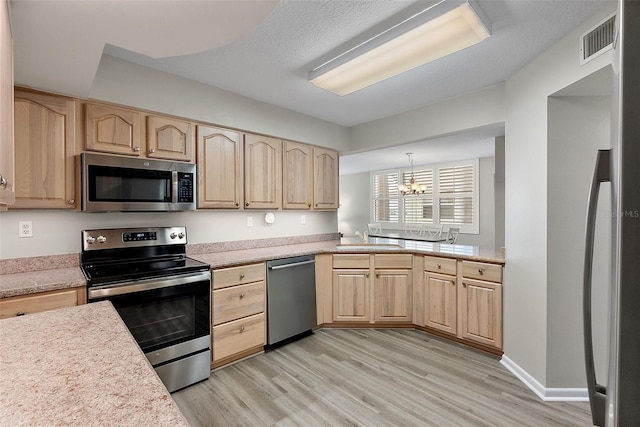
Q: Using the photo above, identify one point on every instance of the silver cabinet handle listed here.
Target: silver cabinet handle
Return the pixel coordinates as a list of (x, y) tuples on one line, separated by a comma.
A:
[(151, 151), (241, 295), (242, 329), (136, 149), (20, 313), (597, 392), (3, 182), (71, 202), (241, 276)]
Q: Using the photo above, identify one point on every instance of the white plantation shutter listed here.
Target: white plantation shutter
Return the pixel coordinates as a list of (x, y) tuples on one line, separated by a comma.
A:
[(456, 186), (419, 208), (451, 198), (385, 197)]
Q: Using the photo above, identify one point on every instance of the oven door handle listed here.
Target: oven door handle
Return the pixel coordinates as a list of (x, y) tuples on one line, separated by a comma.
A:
[(146, 285)]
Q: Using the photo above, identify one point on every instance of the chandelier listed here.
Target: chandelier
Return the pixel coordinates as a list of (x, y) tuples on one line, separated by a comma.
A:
[(412, 188)]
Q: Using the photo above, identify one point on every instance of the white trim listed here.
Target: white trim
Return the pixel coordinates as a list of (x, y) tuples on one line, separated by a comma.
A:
[(546, 394)]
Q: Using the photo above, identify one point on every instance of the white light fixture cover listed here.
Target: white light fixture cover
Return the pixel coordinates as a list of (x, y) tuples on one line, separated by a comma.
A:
[(434, 33)]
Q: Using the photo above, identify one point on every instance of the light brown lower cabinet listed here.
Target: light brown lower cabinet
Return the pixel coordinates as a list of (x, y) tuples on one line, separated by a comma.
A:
[(351, 289), (393, 296), (440, 302), (238, 323), (42, 301), (237, 336), (481, 309)]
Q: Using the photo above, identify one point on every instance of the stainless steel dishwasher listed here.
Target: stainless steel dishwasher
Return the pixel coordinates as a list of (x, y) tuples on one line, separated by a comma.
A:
[(291, 297)]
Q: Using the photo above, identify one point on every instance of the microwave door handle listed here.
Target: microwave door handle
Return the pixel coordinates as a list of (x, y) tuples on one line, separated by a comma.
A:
[(174, 187), (597, 392)]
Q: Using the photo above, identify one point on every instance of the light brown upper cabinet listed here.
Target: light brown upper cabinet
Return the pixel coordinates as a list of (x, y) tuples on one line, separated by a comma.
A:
[(113, 130), (44, 151), (219, 168), (325, 179), (170, 139), (7, 195), (297, 178), (262, 172)]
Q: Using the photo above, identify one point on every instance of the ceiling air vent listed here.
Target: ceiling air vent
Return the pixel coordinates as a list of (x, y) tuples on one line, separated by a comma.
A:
[(597, 40)]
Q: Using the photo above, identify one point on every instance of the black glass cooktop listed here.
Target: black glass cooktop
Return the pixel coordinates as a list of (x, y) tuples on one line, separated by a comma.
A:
[(113, 272)]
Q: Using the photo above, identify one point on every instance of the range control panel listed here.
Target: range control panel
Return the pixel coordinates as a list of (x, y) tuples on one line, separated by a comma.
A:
[(116, 238)]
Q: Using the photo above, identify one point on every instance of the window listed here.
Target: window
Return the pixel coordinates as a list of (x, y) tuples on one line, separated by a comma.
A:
[(419, 209), (385, 197), (451, 198), (456, 194)]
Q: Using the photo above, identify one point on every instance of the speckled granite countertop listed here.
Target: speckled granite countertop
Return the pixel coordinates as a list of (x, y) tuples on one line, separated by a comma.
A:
[(79, 366), (31, 282), (385, 245), (226, 254), (246, 256)]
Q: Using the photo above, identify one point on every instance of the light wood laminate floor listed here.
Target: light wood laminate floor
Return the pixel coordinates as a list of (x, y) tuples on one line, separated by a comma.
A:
[(371, 377)]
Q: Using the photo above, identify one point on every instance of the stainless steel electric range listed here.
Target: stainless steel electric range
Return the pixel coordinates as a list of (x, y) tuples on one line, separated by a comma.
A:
[(162, 296)]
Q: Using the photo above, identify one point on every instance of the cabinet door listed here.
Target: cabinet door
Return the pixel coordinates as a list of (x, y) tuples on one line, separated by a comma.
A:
[(263, 172), (296, 182), (219, 168), (325, 179), (113, 130), (440, 303), (351, 296), (393, 296), (170, 139), (45, 149), (7, 194), (481, 308)]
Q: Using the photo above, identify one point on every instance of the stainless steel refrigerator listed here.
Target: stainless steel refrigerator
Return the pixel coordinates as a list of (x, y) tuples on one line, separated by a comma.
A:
[(618, 403)]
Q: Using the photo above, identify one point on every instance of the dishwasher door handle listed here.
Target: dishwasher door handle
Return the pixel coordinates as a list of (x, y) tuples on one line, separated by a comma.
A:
[(293, 264)]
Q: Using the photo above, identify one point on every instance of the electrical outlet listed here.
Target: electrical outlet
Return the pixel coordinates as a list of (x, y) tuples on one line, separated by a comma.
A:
[(25, 229), (249, 221), (303, 219)]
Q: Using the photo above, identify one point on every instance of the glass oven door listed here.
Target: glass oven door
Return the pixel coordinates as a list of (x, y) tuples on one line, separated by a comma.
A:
[(161, 312)]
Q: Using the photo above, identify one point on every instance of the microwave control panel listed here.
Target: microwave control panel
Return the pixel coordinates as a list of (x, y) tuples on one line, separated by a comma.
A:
[(185, 187)]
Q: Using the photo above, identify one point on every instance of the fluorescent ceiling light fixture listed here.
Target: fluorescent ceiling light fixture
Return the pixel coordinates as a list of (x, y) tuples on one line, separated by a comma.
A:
[(438, 31)]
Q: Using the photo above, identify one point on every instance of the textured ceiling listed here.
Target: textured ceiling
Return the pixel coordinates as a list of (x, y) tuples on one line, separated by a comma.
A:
[(265, 49), (271, 62)]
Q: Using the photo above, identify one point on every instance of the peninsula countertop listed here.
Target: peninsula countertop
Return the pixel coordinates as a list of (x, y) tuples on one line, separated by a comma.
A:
[(79, 366), (29, 282)]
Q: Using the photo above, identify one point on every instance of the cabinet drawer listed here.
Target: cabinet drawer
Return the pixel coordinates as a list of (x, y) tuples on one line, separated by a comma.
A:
[(351, 261), (237, 301), (482, 271), (233, 337), (393, 261), (37, 303), (226, 277), (440, 265)]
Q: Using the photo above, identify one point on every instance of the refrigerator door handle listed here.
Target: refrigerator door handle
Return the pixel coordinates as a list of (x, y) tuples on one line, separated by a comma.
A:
[(597, 392)]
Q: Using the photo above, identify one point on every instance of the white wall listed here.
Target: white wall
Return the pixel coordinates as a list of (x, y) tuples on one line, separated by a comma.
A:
[(578, 127), (355, 202), (58, 232), (353, 214), (477, 109), (498, 181), (526, 154)]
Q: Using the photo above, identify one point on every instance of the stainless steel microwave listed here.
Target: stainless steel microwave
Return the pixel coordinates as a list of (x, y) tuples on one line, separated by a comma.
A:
[(114, 183)]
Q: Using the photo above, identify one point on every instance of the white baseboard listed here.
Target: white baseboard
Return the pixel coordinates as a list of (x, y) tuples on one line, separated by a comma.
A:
[(546, 394)]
